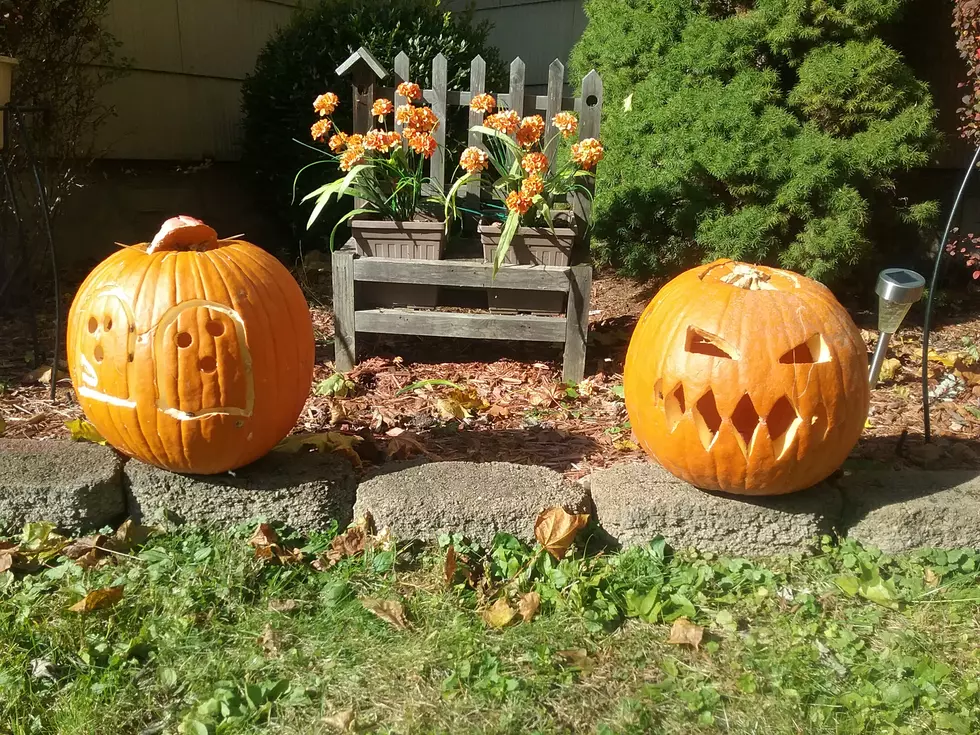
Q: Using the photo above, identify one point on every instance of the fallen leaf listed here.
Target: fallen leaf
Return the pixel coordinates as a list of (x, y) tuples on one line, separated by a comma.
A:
[(270, 640), (888, 368), (10, 556), (285, 606), (131, 535), (930, 577), (578, 658), (42, 668), (337, 385), (406, 445), (449, 566), (82, 431), (98, 600), (500, 614), (86, 552), (264, 535), (391, 611), (497, 411), (555, 529), (338, 412), (528, 606), (331, 441), (342, 720), (684, 632), (42, 375), (350, 543), (625, 445)]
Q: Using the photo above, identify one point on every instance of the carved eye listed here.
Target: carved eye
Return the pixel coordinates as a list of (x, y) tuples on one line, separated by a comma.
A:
[(704, 343), (813, 350)]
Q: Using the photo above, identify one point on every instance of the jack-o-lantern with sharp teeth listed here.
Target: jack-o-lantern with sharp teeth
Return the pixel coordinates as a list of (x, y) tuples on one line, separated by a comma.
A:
[(191, 353), (747, 379)]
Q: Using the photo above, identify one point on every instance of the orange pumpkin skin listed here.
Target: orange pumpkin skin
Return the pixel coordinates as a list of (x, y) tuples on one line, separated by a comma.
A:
[(747, 379), (191, 353)]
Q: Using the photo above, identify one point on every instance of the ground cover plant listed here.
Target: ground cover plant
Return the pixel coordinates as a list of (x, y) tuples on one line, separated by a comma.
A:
[(249, 631), (766, 131)]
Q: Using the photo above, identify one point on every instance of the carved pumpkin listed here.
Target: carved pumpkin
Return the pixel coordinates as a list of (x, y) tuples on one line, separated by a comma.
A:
[(191, 353), (747, 379)]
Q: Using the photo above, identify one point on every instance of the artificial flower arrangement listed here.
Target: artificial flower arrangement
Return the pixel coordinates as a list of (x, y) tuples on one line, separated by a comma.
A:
[(387, 174), (527, 190)]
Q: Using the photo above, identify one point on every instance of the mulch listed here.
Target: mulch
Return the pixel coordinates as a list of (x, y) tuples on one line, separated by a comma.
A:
[(507, 401)]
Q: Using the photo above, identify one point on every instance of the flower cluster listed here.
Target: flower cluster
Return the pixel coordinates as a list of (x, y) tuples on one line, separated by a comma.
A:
[(535, 162), (326, 103), (382, 108), (530, 130), (587, 153), (519, 202), (381, 140), (506, 121), (473, 160), (320, 129), (409, 90), (484, 103), (965, 248), (566, 123)]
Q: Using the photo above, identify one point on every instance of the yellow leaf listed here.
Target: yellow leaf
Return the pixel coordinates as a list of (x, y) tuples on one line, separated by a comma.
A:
[(555, 529), (686, 633), (528, 606), (868, 424), (98, 600), (625, 445), (889, 368), (82, 431), (391, 611), (331, 441), (499, 614)]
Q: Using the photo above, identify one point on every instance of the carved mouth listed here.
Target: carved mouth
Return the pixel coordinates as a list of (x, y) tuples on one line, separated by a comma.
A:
[(780, 424)]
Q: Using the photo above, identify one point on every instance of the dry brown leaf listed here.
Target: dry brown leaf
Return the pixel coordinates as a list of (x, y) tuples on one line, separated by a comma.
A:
[(930, 577), (391, 611), (555, 529), (497, 411), (130, 535), (98, 600), (331, 441), (685, 633), (528, 606), (9, 556), (406, 445), (578, 658), (42, 375), (499, 614), (449, 567), (86, 552), (888, 368), (285, 606), (342, 720), (338, 411), (264, 535), (270, 640)]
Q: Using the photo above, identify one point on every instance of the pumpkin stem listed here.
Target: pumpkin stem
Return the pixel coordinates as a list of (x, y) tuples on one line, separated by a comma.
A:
[(183, 233), (747, 277)]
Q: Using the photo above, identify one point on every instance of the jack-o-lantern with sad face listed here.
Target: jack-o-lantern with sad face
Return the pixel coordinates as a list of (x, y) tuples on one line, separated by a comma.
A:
[(191, 353), (747, 379)]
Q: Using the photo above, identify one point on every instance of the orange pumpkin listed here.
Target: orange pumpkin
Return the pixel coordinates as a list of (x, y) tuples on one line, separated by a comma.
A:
[(191, 353), (747, 379)]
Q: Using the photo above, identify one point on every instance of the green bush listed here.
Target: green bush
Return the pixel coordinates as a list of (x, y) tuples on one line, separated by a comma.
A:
[(299, 63), (768, 131)]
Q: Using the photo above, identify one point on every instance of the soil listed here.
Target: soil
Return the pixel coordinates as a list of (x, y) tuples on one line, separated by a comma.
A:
[(508, 403)]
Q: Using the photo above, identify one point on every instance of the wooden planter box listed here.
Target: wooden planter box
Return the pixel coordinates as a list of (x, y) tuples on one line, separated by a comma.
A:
[(416, 240), (6, 78), (530, 246)]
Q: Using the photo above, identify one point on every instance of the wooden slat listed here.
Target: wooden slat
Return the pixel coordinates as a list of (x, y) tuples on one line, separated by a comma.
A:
[(517, 86), (577, 323), (363, 92), (345, 353), (478, 80), (469, 275), (556, 80), (440, 85), (588, 127), (450, 324), (532, 103), (403, 70)]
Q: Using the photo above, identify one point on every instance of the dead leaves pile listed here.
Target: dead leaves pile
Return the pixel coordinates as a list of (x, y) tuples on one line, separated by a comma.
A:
[(41, 544), (268, 548)]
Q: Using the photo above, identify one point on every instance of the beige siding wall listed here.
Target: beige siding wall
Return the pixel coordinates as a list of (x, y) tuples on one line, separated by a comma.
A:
[(182, 98)]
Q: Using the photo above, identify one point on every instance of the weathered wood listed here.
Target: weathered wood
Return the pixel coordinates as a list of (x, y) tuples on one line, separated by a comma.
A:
[(440, 85), (364, 83), (532, 103), (403, 70), (588, 127), (577, 323), (451, 324), (345, 353), (516, 96), (478, 80), (468, 275), (556, 81)]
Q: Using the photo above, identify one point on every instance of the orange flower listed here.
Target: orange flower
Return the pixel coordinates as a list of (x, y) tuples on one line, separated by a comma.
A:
[(535, 163), (530, 130), (351, 158), (519, 202), (326, 103), (422, 143), (380, 140), (506, 121), (587, 153), (338, 142), (403, 115), (484, 103), (320, 129), (394, 139), (355, 141), (473, 160), (410, 90), (566, 123), (382, 107), (424, 119), (532, 186)]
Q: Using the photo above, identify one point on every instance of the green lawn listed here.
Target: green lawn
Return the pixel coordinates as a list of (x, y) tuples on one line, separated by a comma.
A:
[(209, 639)]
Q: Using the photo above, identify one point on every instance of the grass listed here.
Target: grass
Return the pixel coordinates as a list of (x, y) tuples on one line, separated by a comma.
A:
[(209, 639)]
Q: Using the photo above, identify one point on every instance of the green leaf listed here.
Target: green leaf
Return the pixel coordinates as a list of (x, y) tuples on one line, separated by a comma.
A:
[(953, 723), (880, 592), (683, 608), (193, 727), (82, 431), (349, 215), (506, 236), (423, 383), (849, 584), (298, 173)]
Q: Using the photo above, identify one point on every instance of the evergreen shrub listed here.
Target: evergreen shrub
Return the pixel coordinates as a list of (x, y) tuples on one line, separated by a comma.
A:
[(766, 130)]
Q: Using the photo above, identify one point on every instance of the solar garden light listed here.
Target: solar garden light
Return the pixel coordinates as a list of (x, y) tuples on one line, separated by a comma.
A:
[(897, 290)]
